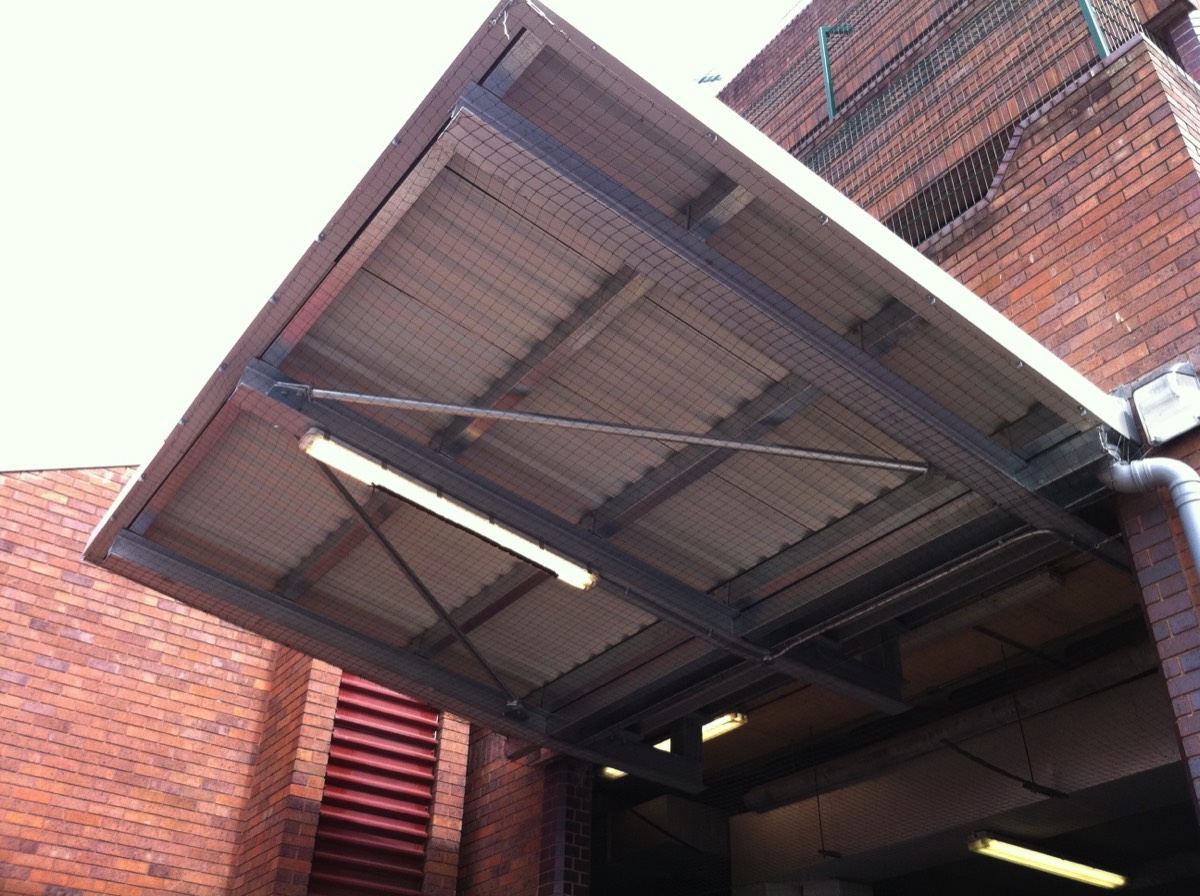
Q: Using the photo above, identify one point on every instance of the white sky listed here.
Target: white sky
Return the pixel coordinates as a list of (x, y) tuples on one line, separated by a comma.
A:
[(164, 165)]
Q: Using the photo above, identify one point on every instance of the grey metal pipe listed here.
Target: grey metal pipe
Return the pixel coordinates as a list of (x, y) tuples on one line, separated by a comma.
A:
[(615, 429), (1145, 475)]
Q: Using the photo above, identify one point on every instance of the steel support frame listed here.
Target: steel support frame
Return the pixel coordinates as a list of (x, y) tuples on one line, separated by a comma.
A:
[(797, 340), (284, 620), (629, 578), (929, 498)]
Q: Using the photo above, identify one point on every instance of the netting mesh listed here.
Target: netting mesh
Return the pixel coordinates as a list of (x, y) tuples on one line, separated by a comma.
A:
[(571, 245), (925, 146)]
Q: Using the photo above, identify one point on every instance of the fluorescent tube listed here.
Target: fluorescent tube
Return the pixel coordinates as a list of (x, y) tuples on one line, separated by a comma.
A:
[(1031, 858), (718, 726), (721, 725), (329, 451)]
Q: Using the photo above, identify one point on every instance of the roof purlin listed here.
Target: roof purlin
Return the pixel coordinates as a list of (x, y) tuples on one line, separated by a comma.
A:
[(840, 369), (644, 585), (136, 556)]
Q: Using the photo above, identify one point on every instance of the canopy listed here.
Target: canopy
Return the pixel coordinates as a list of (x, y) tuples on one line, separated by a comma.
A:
[(634, 331)]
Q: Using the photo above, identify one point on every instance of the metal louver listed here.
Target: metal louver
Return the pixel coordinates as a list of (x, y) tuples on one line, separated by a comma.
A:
[(374, 818)]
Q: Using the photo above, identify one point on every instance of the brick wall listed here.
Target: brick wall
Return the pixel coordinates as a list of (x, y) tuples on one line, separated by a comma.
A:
[(1091, 240), (564, 862), (148, 747), (446, 813), (526, 823), (1184, 35), (927, 94), (1171, 598), (276, 849), (797, 104), (131, 723), (881, 43), (501, 819)]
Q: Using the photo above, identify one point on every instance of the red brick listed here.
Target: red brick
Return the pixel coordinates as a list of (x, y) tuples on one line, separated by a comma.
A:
[(109, 761)]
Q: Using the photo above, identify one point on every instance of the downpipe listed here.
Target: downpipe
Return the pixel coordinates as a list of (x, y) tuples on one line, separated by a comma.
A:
[(1139, 476)]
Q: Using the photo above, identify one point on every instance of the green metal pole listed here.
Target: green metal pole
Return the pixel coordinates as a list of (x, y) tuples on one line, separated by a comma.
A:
[(823, 38), (1089, 15)]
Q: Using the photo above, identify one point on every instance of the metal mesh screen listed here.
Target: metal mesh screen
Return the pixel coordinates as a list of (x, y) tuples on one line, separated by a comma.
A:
[(925, 146)]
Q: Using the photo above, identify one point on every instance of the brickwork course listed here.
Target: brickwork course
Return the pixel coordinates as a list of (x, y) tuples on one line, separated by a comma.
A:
[(132, 724), (501, 820), (1099, 269), (449, 797), (527, 824), (151, 748)]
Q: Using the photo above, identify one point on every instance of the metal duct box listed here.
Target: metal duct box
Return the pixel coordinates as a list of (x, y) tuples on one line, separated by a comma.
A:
[(1168, 405)]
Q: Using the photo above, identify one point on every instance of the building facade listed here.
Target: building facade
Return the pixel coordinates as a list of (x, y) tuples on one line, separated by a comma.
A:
[(1049, 161), (151, 748)]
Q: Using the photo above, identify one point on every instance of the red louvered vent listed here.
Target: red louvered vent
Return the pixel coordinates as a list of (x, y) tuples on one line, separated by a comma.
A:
[(378, 788)]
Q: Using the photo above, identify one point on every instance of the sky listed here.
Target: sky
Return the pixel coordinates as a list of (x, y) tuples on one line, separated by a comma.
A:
[(165, 164)]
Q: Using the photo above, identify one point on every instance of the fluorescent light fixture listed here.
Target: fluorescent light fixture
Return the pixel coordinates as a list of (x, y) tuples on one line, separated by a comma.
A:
[(1031, 858), (721, 725), (718, 726), (329, 451)]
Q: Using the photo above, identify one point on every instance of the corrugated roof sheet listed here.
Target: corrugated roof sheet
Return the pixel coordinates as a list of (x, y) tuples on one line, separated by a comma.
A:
[(567, 240)]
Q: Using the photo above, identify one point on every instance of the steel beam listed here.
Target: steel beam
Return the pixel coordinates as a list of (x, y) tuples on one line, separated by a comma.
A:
[(516, 59), (853, 571), (828, 580), (756, 418), (1112, 671), (716, 206), (627, 577), (280, 618), (572, 334), (854, 544), (283, 620), (336, 547), (779, 328), (480, 607), (658, 592)]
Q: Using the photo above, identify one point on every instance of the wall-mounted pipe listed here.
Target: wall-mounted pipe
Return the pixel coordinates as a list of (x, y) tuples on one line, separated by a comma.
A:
[(1140, 476), (1095, 29), (823, 42)]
